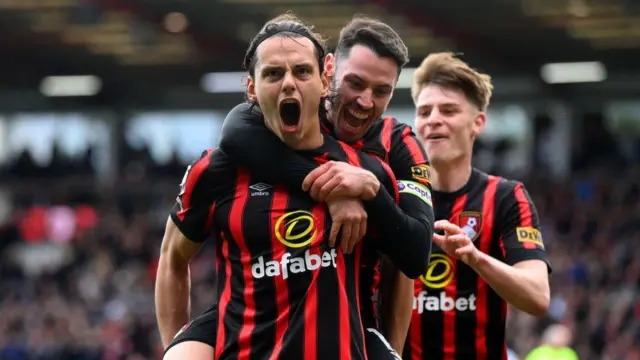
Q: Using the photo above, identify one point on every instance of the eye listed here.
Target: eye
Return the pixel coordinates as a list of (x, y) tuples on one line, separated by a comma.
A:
[(382, 92), (424, 113), (356, 85), (271, 73), (448, 112), (303, 71)]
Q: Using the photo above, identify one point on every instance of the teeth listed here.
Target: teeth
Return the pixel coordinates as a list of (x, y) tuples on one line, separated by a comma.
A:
[(289, 101), (358, 115)]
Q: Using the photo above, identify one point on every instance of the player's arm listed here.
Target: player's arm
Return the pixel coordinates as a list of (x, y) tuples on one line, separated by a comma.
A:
[(408, 160), (173, 284), (246, 139), (187, 227), (404, 221), (404, 218), (408, 224), (523, 280)]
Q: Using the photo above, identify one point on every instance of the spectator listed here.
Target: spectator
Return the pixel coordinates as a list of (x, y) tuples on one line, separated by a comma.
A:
[(555, 345)]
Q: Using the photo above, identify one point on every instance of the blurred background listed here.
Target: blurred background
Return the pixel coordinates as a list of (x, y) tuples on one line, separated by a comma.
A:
[(104, 102)]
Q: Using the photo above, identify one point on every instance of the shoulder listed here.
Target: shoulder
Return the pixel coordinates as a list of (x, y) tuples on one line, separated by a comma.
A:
[(245, 110), (389, 124), (396, 124), (397, 128), (511, 188), (211, 165), (401, 133), (511, 195), (503, 186)]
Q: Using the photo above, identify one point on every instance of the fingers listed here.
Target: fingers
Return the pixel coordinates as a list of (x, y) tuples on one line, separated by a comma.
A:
[(439, 240), (439, 223), (448, 227), (314, 175), (345, 241), (363, 229), (319, 182), (335, 230), (349, 221), (459, 239), (358, 231), (327, 190), (465, 250), (451, 241)]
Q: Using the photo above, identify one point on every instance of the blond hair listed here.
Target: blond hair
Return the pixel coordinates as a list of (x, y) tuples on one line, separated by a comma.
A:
[(446, 70)]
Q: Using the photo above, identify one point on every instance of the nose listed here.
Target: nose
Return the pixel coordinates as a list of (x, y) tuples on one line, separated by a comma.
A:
[(427, 122), (288, 83), (365, 100), (434, 119), (421, 127)]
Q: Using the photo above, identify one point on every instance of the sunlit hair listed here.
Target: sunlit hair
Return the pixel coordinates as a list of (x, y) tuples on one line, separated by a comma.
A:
[(446, 70)]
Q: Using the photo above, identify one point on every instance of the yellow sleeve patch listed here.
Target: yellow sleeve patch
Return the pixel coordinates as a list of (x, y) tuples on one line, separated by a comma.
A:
[(529, 235), (420, 173)]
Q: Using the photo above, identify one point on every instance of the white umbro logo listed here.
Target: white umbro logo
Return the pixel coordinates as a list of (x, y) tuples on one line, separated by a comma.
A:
[(260, 189)]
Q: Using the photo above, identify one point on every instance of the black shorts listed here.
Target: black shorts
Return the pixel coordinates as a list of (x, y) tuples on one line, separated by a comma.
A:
[(203, 329)]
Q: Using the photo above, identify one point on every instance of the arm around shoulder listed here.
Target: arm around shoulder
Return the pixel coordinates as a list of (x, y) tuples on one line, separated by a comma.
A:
[(248, 141)]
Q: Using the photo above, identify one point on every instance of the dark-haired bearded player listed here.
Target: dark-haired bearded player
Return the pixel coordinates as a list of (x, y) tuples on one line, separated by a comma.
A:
[(404, 249), (368, 60)]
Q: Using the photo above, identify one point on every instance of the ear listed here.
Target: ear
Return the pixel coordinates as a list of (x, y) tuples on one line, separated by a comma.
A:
[(251, 90), (325, 84), (478, 123), (330, 64)]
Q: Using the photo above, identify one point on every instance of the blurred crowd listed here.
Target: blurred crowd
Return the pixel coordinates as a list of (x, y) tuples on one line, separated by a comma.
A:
[(78, 260)]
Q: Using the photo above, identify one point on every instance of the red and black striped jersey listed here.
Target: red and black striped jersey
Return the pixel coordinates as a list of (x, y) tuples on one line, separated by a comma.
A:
[(395, 143), (387, 139), (456, 315), (283, 293)]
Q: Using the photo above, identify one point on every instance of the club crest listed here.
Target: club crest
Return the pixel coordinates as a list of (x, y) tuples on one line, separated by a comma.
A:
[(471, 223)]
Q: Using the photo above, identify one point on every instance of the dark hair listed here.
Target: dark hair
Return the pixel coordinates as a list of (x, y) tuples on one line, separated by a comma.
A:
[(375, 35), (289, 25)]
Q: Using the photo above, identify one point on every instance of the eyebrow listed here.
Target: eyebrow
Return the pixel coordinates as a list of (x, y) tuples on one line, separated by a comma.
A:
[(280, 66), (356, 77), (448, 104)]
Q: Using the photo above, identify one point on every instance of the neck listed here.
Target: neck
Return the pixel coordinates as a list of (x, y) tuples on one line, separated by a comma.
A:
[(310, 140), (450, 176), (310, 143)]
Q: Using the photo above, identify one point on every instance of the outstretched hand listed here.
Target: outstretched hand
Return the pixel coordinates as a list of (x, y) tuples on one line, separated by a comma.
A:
[(456, 243)]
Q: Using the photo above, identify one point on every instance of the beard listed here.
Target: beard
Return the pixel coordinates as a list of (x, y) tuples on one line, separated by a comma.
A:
[(332, 101)]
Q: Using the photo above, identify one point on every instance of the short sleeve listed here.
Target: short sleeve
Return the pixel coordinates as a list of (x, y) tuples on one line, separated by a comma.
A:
[(407, 156), (520, 229), (194, 207)]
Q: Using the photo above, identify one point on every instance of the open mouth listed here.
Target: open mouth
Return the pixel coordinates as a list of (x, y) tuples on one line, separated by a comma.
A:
[(290, 113), (355, 119), (436, 137)]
